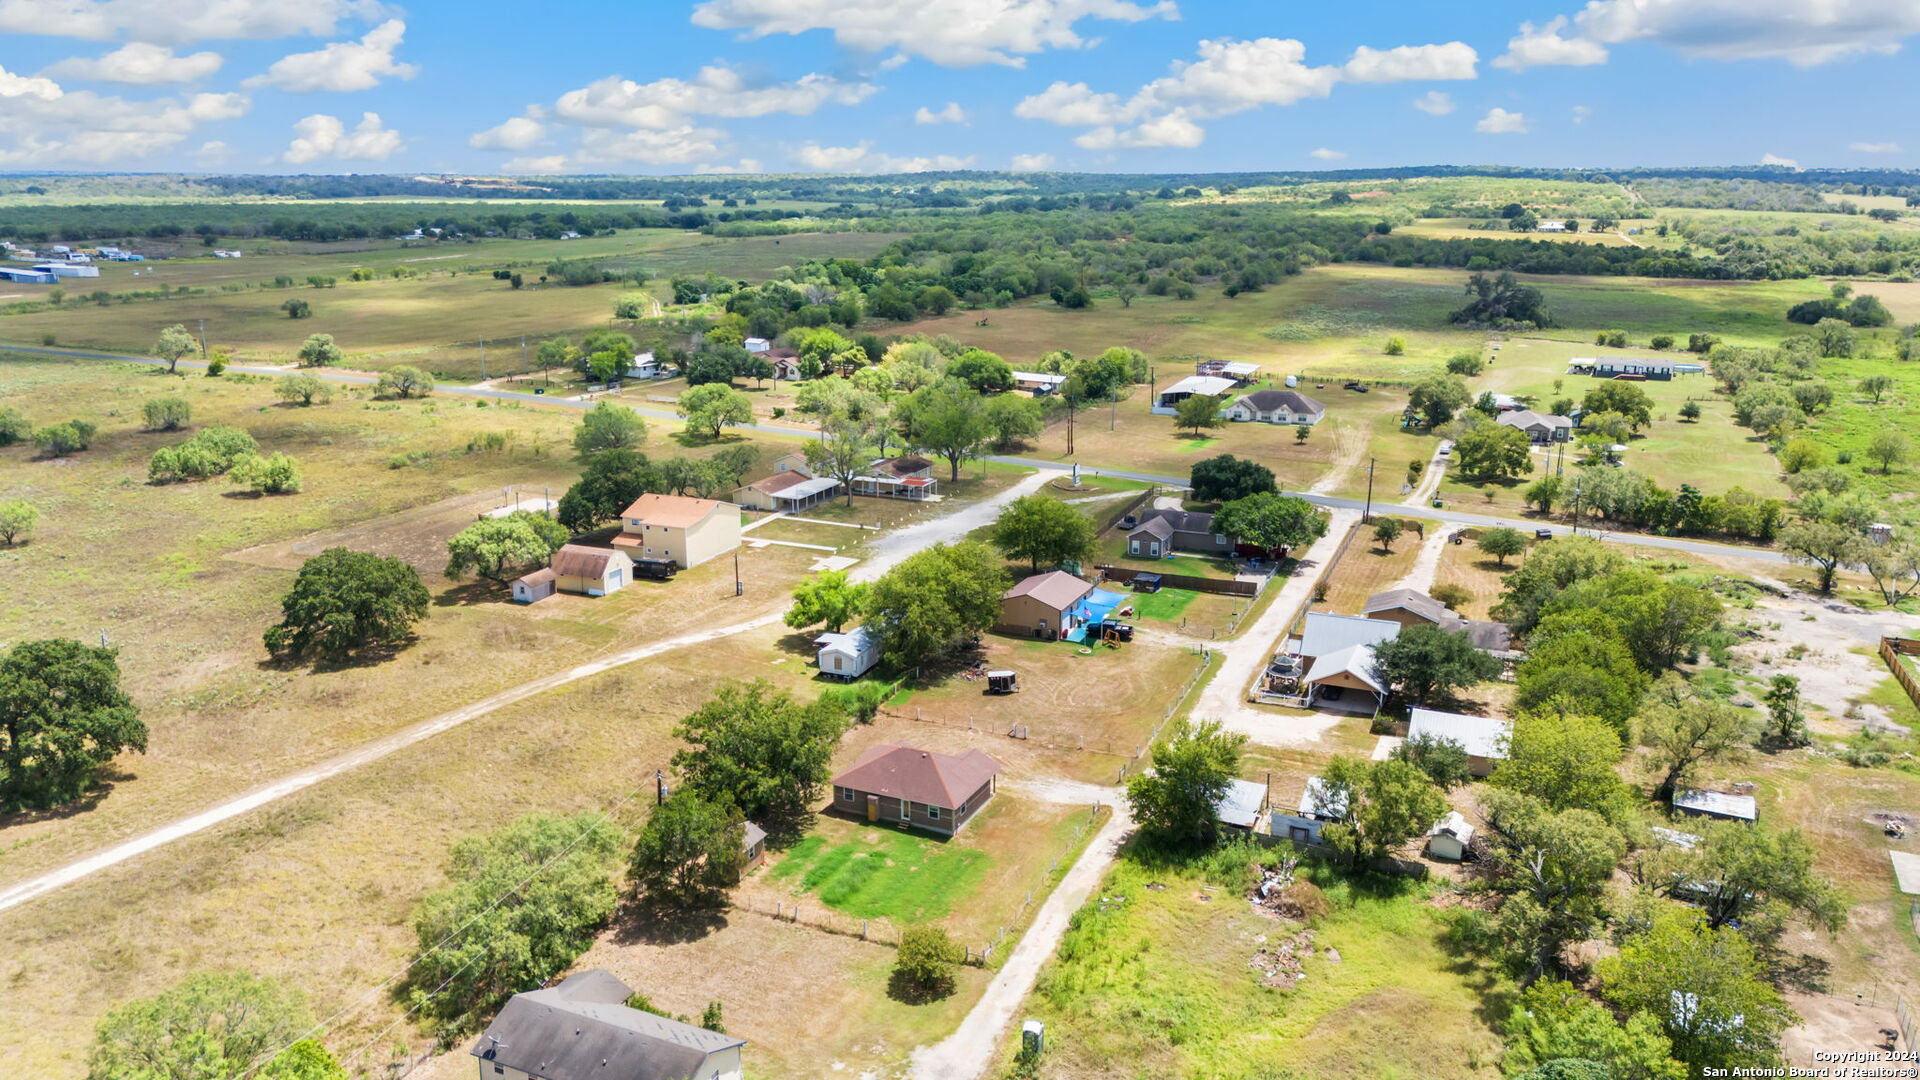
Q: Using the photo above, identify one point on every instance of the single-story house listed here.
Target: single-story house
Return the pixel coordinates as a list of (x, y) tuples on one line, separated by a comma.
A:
[(786, 364), (1484, 738), (1411, 607), (1037, 382), (787, 491), (1162, 532), (847, 655), (536, 586), (754, 845), (1344, 669), (646, 366), (1318, 808), (928, 790), (1276, 407), (1449, 837), (1408, 607), (1614, 367), (1042, 605), (1538, 427), (583, 1029), (1241, 805), (756, 344), (1551, 226), (687, 530), (594, 571), (1165, 401), (1698, 802), (909, 477)]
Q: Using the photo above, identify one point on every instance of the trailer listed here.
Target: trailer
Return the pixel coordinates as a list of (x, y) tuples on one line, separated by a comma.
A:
[(1003, 682)]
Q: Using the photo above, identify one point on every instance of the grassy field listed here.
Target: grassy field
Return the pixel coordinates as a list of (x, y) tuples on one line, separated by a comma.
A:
[(1367, 568), (1852, 421), (433, 319), (1154, 980)]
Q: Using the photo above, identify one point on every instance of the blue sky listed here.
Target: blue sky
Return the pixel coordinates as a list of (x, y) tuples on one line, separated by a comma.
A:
[(884, 86)]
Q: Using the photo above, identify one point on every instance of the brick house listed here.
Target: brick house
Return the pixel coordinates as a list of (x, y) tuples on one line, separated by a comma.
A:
[(922, 788)]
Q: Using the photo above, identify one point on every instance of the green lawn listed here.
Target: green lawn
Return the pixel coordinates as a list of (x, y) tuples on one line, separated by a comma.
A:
[(884, 873), (1167, 604)]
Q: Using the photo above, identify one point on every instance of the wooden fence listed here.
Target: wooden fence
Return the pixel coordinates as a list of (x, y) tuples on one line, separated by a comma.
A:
[(1131, 506), (1224, 587), (1891, 650)]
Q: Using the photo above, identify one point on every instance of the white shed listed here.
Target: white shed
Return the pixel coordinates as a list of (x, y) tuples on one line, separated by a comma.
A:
[(847, 656), (1449, 837), (535, 586)]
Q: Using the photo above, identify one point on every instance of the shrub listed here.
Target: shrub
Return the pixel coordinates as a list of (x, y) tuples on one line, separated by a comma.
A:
[(14, 427), (923, 965), (275, 474), (297, 309), (59, 440), (1451, 595), (166, 413), (404, 382), (208, 453), (1396, 345)]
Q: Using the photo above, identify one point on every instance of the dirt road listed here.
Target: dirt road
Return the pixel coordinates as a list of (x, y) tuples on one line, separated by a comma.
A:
[(884, 553), (1224, 698), (969, 1051)]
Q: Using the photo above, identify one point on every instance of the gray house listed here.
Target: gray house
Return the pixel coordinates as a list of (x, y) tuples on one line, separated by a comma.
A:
[(1276, 407), (582, 1029), (1539, 428), (1163, 532)]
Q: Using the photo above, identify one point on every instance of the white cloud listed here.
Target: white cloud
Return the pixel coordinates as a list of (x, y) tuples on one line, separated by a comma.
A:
[(953, 33), (1324, 154), (141, 64), (1543, 46), (1580, 114), (43, 124), (322, 136), (1803, 32), (28, 86), (1454, 60), (552, 163), (342, 66), (744, 166), (1501, 122), (212, 154), (1032, 162), (716, 91), (518, 133), (951, 114), (1228, 77), (683, 145), (865, 159), (178, 22), (1875, 147), (1435, 103), (1776, 159)]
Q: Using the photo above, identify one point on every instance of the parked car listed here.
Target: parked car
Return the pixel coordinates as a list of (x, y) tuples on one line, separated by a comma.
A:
[(1446, 449), (1543, 534), (1123, 631)]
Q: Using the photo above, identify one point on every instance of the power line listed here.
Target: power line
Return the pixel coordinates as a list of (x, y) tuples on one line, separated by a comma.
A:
[(264, 1059)]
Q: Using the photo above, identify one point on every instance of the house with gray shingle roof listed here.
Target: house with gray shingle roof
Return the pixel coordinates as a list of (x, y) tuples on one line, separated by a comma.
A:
[(582, 1029)]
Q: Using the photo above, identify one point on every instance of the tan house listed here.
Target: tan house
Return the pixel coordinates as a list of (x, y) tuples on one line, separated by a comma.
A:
[(1040, 604), (591, 571), (687, 530), (921, 788)]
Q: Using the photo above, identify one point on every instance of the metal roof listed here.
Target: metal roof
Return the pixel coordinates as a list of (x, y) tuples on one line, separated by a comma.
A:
[(1241, 803), (1326, 633), (1210, 385), (1479, 736), (582, 1029), (1717, 804), (853, 642), (1354, 660), (1057, 589)]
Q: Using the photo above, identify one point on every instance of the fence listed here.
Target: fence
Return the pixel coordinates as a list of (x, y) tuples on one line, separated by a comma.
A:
[(1224, 587), (1905, 1018), (1173, 706), (1891, 650), (883, 932)]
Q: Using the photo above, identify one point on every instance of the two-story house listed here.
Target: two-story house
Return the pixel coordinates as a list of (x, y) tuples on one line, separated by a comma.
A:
[(679, 527)]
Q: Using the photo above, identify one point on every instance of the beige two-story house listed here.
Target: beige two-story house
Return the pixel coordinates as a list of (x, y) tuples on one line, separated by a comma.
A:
[(687, 530)]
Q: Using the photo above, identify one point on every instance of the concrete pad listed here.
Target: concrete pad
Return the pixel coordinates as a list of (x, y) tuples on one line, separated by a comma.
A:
[(1906, 871)]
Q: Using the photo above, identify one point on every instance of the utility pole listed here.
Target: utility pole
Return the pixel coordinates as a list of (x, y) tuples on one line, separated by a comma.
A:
[(739, 586), (523, 352), (1069, 427), (1113, 413), (483, 359), (203, 341), (1576, 508), (1367, 515)]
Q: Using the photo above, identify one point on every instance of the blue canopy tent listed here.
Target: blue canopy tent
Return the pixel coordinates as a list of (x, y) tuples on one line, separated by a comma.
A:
[(1092, 608)]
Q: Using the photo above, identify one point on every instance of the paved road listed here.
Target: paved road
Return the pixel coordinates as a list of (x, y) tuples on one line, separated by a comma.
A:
[(1455, 517), (882, 556), (969, 1052)]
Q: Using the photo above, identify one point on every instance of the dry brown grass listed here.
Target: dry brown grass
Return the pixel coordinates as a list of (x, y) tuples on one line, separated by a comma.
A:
[(1366, 568)]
